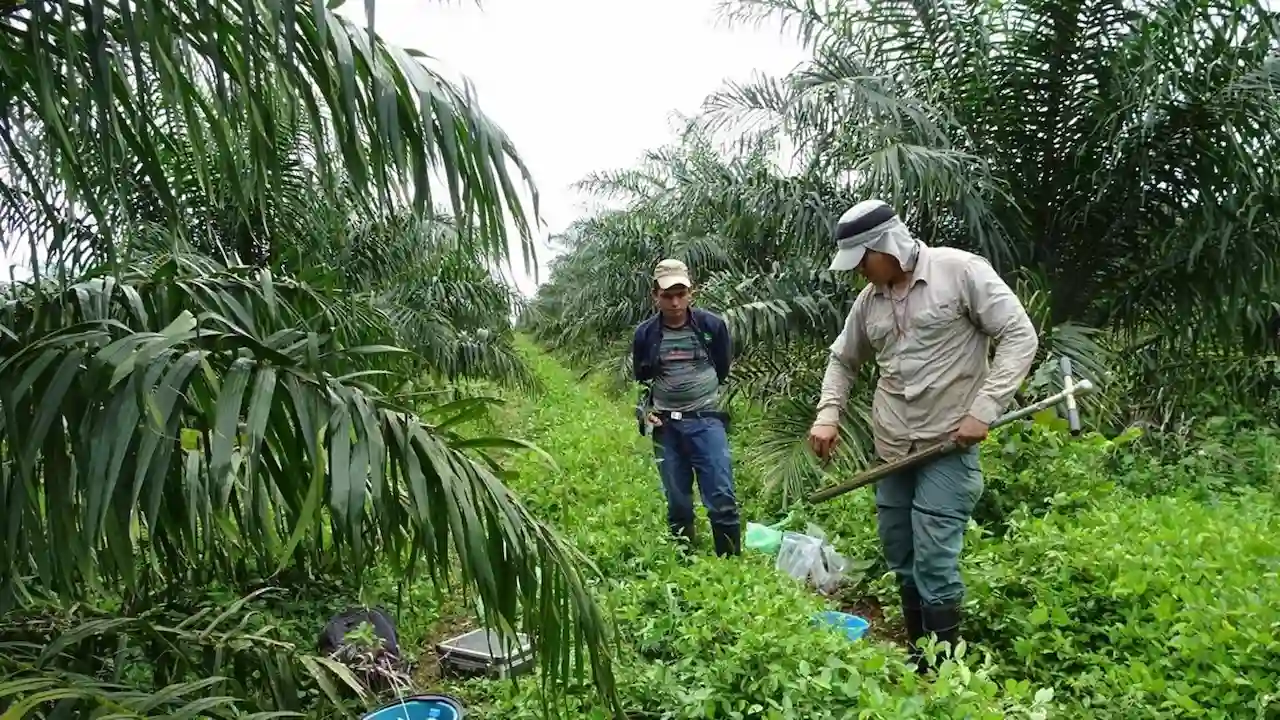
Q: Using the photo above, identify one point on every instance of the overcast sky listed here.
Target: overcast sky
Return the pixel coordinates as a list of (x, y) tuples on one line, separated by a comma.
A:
[(583, 85)]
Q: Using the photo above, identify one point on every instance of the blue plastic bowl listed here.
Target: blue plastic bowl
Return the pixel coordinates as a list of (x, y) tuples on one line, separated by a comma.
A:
[(852, 625), (418, 707)]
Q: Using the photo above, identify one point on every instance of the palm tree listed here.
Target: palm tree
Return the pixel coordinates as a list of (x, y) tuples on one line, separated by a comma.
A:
[(1088, 150), (238, 347), (1123, 152)]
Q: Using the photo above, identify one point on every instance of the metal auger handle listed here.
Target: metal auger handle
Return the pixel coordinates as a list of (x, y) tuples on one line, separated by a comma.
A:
[(874, 474), (1069, 387)]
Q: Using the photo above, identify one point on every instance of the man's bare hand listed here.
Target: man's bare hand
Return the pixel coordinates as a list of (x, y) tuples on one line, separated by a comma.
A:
[(823, 439), (654, 420), (971, 432)]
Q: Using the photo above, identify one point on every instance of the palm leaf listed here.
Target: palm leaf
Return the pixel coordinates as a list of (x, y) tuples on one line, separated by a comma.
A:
[(92, 86), (291, 450)]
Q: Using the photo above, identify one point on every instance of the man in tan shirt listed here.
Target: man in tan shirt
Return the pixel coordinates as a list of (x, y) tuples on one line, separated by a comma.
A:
[(926, 317)]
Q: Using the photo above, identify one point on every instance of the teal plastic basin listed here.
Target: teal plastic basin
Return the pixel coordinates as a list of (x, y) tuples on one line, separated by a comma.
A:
[(852, 626), (418, 707)]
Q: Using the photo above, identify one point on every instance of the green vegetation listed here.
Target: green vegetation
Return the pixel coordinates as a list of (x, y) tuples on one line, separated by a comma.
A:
[(705, 637), (260, 369), (1098, 156)]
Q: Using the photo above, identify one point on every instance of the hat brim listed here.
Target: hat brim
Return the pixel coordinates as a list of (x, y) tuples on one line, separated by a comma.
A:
[(670, 281), (848, 258)]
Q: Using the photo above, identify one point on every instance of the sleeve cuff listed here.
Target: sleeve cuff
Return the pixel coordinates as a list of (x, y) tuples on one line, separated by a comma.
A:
[(828, 416), (985, 409)]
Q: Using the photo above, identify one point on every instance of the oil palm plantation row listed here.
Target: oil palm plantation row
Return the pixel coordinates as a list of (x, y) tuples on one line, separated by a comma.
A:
[(263, 251), (758, 242), (1117, 163)]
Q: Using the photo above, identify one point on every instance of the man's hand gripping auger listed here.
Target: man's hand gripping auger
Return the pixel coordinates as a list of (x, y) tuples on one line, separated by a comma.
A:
[(1071, 391)]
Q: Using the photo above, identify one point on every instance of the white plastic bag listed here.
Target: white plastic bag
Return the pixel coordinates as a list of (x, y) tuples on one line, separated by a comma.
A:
[(809, 558), (827, 574), (797, 554)]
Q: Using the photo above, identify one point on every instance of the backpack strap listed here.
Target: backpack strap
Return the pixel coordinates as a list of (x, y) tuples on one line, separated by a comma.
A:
[(698, 332)]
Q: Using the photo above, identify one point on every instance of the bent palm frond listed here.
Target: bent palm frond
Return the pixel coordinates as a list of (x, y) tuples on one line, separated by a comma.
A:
[(181, 412), (93, 88)]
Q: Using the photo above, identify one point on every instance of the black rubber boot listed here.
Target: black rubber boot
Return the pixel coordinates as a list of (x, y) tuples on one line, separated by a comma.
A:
[(913, 618), (727, 539), (943, 621), (684, 534)]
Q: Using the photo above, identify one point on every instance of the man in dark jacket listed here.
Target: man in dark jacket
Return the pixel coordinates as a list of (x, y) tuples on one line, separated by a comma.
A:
[(683, 355)]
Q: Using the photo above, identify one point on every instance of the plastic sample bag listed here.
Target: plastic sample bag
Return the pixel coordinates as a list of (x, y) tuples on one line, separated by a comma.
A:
[(765, 538), (809, 558), (762, 538)]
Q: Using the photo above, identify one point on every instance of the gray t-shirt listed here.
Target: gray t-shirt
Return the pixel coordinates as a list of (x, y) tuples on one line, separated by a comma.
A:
[(686, 380)]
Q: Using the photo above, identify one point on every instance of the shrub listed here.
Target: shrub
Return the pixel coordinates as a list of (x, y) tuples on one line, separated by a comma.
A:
[(1036, 466), (1203, 461), (1143, 608), (714, 639)]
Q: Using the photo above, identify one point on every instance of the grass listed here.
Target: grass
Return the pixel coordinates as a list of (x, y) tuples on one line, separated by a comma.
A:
[(702, 636), (1104, 582)]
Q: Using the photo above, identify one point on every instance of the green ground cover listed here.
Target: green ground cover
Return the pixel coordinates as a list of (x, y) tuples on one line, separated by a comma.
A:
[(1091, 595)]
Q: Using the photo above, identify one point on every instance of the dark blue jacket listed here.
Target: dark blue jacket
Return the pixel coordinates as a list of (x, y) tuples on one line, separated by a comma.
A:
[(710, 329)]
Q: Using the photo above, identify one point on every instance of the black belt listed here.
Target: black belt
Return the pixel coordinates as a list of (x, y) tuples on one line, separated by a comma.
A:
[(677, 416), (694, 415)]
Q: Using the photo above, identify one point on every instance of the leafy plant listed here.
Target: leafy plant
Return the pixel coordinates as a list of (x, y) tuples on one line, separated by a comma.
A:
[(241, 346), (323, 469), (705, 637), (200, 660), (93, 90), (1139, 607)]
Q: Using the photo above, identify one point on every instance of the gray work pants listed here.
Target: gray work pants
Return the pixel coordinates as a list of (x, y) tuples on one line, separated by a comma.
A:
[(922, 513)]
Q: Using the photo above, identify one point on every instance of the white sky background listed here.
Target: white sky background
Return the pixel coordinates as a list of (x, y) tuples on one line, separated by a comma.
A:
[(582, 85)]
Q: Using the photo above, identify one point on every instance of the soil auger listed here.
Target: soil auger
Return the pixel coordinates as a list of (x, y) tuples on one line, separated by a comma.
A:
[(1071, 390)]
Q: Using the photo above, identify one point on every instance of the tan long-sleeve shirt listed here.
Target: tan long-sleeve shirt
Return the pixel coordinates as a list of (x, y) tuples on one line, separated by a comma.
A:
[(932, 346)]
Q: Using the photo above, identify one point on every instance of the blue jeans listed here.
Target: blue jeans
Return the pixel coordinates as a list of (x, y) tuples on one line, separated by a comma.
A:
[(922, 513), (682, 448)]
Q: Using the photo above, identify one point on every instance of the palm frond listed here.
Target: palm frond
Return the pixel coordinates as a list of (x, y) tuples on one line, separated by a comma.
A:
[(85, 662), (182, 413), (94, 86)]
